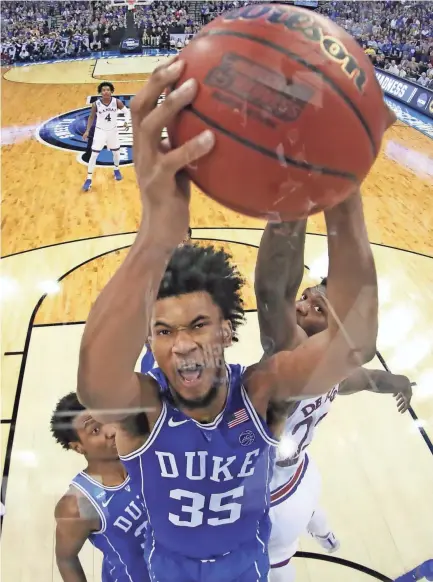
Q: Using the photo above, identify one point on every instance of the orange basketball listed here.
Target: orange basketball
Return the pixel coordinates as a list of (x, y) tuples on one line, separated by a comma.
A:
[(295, 106)]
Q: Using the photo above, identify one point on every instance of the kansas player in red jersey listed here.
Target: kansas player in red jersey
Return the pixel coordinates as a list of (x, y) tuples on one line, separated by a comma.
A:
[(284, 324), (100, 506), (205, 457)]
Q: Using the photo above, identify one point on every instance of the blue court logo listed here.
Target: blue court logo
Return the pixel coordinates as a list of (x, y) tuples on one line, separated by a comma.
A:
[(247, 438), (66, 131)]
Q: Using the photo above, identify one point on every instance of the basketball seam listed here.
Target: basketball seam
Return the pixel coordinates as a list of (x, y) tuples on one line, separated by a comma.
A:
[(306, 64), (269, 153)]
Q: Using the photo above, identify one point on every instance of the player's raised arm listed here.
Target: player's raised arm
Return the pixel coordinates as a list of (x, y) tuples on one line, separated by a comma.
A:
[(118, 322), (278, 275), (325, 359)]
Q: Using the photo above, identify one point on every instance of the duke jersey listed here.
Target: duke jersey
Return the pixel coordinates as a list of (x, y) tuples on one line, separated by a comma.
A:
[(206, 490), (147, 362), (123, 522), (106, 115), (298, 433)]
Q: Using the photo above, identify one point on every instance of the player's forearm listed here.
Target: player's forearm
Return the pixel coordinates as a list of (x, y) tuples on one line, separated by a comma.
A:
[(378, 381), (360, 380), (352, 281), (118, 323), (71, 569), (90, 121), (280, 259), (278, 275)]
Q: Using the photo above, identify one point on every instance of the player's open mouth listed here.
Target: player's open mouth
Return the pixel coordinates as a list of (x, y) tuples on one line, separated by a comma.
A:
[(191, 373)]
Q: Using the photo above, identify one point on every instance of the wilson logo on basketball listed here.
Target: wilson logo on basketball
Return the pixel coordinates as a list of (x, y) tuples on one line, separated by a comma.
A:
[(66, 131), (309, 26)]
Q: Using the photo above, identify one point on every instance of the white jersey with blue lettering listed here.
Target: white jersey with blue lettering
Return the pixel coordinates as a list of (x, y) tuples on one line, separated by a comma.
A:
[(106, 115), (298, 433), (206, 490), (123, 524)]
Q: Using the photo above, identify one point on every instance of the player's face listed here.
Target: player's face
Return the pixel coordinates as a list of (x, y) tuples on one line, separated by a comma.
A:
[(97, 441), (106, 93), (312, 311), (188, 339)]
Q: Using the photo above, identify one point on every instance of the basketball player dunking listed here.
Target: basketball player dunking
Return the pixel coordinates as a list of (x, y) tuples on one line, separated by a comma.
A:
[(100, 506), (207, 451), (105, 110), (284, 324)]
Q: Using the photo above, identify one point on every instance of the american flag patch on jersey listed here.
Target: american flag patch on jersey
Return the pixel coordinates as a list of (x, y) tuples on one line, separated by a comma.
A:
[(238, 417)]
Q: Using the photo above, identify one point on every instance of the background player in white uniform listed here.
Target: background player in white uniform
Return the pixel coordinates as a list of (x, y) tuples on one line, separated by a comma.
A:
[(284, 324), (100, 506), (105, 110)]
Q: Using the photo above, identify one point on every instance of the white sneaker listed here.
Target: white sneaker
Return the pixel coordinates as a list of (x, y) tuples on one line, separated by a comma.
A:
[(328, 542)]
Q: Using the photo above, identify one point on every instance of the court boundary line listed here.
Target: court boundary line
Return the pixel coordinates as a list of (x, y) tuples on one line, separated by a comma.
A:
[(411, 411), (254, 228), (344, 562), (59, 324), (13, 353)]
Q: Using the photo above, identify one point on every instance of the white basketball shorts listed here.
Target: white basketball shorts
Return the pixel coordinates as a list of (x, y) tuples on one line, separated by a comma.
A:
[(106, 138), (292, 506)]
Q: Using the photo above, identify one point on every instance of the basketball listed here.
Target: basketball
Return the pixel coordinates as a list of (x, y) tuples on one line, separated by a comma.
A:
[(295, 106)]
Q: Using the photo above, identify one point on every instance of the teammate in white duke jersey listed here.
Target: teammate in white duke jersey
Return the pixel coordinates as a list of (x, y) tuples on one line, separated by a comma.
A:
[(106, 134), (204, 461), (285, 323), (101, 505)]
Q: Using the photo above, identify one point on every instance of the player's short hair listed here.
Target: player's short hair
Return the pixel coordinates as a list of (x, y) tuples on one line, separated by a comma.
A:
[(105, 84), (61, 424), (204, 268)]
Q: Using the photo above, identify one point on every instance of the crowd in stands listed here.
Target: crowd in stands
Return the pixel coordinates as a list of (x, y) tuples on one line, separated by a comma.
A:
[(160, 19), (397, 36)]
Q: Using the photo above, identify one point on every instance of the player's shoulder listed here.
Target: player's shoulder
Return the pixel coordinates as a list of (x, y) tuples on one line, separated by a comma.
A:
[(75, 514), (68, 506)]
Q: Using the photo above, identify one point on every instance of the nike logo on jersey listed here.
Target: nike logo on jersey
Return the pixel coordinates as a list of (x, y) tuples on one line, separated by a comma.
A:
[(105, 503), (172, 422)]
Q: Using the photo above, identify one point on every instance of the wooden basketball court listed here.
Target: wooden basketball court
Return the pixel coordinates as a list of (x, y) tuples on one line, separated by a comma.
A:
[(61, 245)]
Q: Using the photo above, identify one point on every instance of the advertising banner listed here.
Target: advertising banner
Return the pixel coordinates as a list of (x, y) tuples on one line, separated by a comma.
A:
[(413, 95)]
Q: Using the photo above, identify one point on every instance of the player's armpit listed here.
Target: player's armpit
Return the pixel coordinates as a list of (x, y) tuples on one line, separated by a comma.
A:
[(71, 532), (133, 431), (311, 369), (278, 275)]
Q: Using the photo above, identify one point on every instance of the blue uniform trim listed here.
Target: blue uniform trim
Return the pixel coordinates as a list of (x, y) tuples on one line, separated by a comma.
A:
[(95, 505), (256, 420)]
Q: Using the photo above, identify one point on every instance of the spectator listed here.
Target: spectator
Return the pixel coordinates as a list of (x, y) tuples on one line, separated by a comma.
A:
[(393, 68), (423, 80)]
